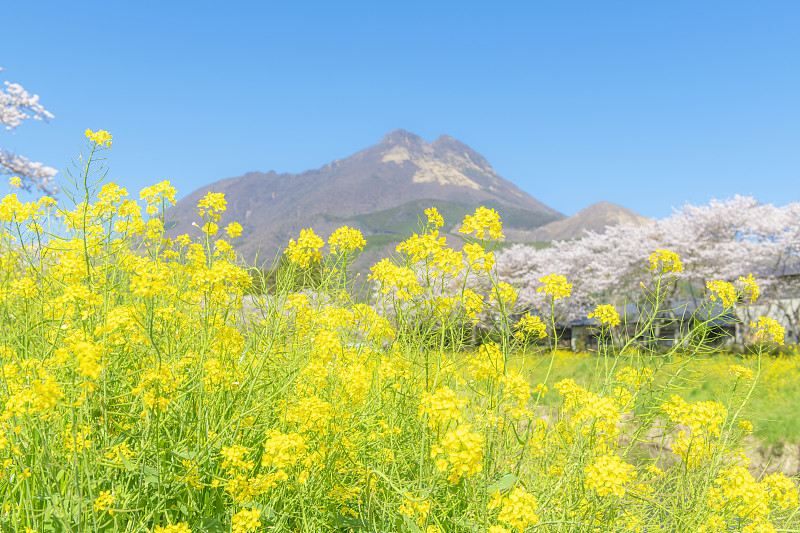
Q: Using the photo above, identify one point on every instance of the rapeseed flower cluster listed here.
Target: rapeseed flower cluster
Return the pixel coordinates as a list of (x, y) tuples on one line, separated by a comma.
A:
[(422, 247), (504, 292), (482, 221), (670, 261), (607, 475), (635, 377), (460, 453), (723, 291), (705, 420), (306, 249), (435, 220), (392, 276), (768, 329), (161, 193), (478, 258), (104, 501), (488, 362), (736, 494), (741, 372), (415, 508), (606, 315), (530, 325), (346, 239), (518, 509), (100, 137), (131, 373), (246, 520), (749, 285), (441, 407), (556, 286)]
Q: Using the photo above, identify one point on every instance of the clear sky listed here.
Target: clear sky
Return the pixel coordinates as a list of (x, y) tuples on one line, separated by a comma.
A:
[(646, 104)]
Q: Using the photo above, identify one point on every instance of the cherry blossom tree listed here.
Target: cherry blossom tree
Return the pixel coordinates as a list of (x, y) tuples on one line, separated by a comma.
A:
[(720, 241), (17, 105)]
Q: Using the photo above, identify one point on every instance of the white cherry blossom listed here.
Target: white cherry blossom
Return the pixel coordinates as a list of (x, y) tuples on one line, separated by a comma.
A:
[(16, 105)]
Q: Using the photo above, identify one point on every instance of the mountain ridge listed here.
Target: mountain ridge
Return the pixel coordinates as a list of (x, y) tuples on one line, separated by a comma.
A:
[(399, 170), (596, 218)]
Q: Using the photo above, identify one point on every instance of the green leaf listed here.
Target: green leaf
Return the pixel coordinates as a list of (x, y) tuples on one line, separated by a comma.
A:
[(267, 512), (127, 463), (150, 475), (210, 524), (349, 522), (502, 484), (185, 454), (411, 525)]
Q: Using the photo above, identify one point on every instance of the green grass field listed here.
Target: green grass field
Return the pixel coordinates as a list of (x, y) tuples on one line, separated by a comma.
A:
[(773, 409)]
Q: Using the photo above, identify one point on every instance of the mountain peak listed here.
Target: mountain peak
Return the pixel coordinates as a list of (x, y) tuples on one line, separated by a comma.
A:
[(402, 170), (402, 137), (595, 218)]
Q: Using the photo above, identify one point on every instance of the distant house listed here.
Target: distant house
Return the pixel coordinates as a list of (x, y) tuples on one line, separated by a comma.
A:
[(669, 326)]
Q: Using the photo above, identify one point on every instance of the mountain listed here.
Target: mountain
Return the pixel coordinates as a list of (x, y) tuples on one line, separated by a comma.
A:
[(595, 218), (381, 190)]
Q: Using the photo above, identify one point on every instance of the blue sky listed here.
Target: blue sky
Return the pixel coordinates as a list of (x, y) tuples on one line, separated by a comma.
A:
[(648, 105)]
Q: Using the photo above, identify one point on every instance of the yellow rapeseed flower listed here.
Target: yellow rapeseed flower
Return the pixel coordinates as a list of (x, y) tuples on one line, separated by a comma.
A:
[(741, 372), (607, 315), (722, 290), (769, 329), (483, 219), (441, 407), (87, 355), (103, 502), (282, 450), (15, 181), (472, 304), (487, 362), (531, 325), (519, 509), (634, 377), (670, 261), (415, 507), (235, 458), (234, 229), (782, 490), (245, 520), (608, 474), (345, 239), (47, 393), (556, 286), (306, 249), (99, 137), (390, 275), (749, 285), (475, 253), (419, 247), (214, 203), (111, 193), (503, 293), (435, 220), (155, 193), (463, 453)]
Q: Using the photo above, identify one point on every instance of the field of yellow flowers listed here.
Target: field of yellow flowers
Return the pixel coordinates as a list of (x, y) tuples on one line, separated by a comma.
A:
[(137, 395)]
